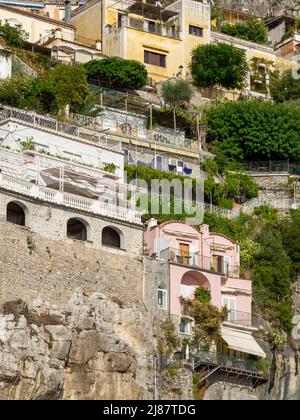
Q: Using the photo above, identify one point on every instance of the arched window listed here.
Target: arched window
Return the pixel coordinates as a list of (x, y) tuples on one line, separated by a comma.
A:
[(112, 238), (76, 229), (15, 213), (162, 297)]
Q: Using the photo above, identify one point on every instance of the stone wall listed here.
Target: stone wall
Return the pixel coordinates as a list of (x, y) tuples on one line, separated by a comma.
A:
[(223, 390), (155, 273), (51, 221), (175, 384), (55, 268)]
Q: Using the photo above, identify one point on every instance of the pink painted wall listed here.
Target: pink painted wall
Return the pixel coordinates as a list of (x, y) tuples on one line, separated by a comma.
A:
[(185, 279)]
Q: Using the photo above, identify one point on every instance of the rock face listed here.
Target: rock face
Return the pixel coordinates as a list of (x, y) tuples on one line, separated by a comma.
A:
[(94, 349), (262, 7)]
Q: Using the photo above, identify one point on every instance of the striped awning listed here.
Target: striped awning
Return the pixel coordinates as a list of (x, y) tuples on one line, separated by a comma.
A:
[(241, 341)]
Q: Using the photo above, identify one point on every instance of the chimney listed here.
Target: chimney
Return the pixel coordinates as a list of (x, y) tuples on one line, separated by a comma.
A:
[(68, 11)]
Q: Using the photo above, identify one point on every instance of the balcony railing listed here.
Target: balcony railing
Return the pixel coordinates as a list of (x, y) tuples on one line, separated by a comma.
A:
[(48, 123), (249, 365), (238, 318), (195, 260), (69, 200)]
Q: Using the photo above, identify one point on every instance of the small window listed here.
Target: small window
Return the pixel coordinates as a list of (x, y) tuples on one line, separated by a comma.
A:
[(155, 59), (76, 230), (185, 326), (162, 296), (196, 31), (151, 26), (111, 238), (15, 214)]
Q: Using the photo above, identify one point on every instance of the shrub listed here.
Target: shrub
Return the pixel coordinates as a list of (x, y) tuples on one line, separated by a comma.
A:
[(14, 36), (219, 64), (177, 93), (254, 31), (117, 73), (203, 294)]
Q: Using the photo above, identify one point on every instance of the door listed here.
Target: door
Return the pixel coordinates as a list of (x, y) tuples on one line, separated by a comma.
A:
[(230, 304), (184, 254), (218, 263)]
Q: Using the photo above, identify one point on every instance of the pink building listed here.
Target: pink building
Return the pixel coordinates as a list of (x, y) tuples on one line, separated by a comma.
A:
[(203, 258)]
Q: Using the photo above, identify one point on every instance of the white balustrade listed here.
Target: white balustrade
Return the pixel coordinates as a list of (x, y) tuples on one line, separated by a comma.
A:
[(70, 200)]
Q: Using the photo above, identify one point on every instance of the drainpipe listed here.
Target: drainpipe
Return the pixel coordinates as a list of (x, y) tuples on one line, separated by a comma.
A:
[(154, 377)]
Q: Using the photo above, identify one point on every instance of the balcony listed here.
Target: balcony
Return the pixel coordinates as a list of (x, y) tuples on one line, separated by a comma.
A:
[(247, 366), (77, 202), (197, 261), (238, 318)]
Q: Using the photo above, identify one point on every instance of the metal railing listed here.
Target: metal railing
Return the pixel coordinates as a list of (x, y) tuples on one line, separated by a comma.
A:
[(48, 123), (249, 365), (276, 166), (151, 136), (70, 200), (238, 318), (16, 61), (194, 259)]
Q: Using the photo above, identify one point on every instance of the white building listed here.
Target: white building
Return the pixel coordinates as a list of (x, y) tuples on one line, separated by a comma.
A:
[(62, 164)]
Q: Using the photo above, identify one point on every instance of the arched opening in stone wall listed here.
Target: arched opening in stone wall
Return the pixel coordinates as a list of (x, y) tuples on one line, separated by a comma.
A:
[(16, 213), (112, 237), (77, 229)]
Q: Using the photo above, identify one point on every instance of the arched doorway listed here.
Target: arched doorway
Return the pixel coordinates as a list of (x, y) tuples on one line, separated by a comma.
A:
[(190, 281), (77, 229), (16, 213)]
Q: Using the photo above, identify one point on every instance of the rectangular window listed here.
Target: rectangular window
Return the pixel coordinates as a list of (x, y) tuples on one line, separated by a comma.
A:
[(154, 59), (151, 27), (196, 31), (185, 326)]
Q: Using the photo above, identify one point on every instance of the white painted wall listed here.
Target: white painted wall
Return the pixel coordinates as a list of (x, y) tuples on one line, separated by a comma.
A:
[(11, 134), (5, 66)]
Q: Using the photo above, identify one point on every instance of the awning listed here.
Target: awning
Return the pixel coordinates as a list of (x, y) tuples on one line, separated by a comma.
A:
[(241, 341)]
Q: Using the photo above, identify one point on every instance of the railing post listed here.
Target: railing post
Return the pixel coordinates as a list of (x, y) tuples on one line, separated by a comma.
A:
[(59, 197)]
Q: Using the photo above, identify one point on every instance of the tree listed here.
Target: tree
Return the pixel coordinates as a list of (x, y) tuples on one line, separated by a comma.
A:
[(70, 86), (254, 31), (255, 130), (117, 73), (14, 36), (177, 93), (219, 64), (284, 88)]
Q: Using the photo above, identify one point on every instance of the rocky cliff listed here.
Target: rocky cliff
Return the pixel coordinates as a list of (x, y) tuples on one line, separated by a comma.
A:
[(93, 349), (263, 7)]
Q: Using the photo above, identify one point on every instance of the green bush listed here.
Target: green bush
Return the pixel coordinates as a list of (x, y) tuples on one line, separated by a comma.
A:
[(117, 73), (254, 31), (219, 64), (203, 294), (177, 93), (255, 130), (14, 36)]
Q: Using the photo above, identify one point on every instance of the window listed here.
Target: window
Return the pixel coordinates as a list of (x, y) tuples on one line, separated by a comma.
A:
[(111, 238), (15, 214), (196, 31), (151, 26), (76, 230), (154, 59), (218, 264), (162, 297), (185, 326), (230, 304)]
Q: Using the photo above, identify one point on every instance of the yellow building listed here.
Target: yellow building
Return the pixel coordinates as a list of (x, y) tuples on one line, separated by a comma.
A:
[(161, 38)]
